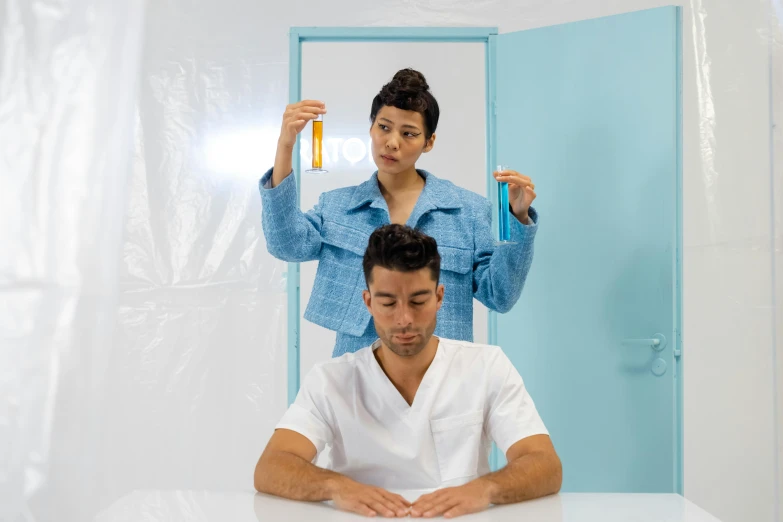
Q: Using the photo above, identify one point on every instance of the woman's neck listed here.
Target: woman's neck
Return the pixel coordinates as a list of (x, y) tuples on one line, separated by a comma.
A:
[(400, 182)]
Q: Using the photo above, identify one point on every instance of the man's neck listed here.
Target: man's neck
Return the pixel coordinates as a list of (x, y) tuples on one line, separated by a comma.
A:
[(406, 373)]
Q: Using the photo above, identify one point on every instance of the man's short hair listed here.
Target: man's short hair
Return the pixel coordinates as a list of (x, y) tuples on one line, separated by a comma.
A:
[(401, 248)]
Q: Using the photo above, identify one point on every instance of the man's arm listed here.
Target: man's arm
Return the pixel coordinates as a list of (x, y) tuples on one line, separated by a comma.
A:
[(285, 470), (533, 471)]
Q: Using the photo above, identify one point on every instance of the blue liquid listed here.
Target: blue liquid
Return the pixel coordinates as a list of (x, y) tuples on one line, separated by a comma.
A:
[(504, 212)]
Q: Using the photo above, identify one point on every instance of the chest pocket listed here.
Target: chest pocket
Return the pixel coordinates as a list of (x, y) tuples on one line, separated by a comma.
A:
[(344, 237), (459, 260), (458, 444)]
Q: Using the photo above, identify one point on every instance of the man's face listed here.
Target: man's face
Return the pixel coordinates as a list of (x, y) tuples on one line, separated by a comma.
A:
[(404, 307)]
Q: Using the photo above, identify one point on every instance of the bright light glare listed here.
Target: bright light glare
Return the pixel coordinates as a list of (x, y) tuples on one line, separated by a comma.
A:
[(250, 152), (241, 152)]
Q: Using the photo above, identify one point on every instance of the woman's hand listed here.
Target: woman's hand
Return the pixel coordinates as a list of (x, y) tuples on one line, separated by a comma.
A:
[(521, 192), (295, 119)]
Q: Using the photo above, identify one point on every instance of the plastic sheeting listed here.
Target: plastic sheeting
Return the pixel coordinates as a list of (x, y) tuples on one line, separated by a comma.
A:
[(67, 76), (142, 321)]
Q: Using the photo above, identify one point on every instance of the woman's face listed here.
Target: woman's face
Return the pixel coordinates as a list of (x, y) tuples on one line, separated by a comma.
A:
[(398, 139)]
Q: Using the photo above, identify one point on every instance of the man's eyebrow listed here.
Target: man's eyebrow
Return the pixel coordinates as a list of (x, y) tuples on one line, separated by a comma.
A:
[(418, 293)]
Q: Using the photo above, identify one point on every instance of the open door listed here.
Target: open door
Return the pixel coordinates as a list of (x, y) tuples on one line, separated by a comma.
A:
[(591, 111)]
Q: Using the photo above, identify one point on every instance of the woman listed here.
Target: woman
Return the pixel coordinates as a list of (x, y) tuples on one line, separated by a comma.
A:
[(403, 116)]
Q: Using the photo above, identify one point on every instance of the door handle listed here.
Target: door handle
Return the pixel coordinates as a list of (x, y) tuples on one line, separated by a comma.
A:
[(657, 342)]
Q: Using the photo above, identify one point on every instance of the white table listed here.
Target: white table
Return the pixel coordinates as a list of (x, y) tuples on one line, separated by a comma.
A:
[(195, 506)]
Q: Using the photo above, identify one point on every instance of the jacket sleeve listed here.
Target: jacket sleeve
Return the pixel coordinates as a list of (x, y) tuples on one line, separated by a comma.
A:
[(291, 235), (500, 271)]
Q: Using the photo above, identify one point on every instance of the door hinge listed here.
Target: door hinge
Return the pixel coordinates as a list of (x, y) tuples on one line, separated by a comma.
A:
[(677, 352)]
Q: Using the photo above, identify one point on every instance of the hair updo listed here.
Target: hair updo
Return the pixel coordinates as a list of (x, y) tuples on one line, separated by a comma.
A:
[(409, 91)]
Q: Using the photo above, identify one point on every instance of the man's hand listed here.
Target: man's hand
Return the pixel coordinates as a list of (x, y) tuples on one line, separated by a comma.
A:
[(370, 501), (453, 502)]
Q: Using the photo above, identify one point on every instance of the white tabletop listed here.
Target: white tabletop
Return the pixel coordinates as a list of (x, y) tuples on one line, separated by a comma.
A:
[(199, 506)]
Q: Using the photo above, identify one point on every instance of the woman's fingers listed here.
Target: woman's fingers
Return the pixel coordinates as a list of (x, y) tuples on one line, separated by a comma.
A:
[(306, 106), (519, 182), (309, 103), (510, 175), (297, 122), (300, 115)]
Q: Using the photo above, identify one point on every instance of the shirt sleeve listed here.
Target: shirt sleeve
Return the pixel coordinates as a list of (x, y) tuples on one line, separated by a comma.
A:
[(309, 414), (500, 271), (513, 415), (291, 235)]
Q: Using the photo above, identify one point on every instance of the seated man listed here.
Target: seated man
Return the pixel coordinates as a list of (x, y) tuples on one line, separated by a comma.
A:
[(412, 411)]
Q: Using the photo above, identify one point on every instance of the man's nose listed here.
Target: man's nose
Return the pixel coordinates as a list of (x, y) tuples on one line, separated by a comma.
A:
[(404, 315)]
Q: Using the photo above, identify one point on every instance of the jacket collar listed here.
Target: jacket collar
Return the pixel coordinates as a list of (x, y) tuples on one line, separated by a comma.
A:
[(437, 193)]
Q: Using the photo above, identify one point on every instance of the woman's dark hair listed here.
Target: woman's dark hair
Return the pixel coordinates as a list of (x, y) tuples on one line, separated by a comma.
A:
[(401, 248), (408, 91)]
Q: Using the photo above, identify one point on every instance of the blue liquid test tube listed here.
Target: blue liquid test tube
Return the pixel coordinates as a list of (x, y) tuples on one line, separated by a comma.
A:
[(503, 210)]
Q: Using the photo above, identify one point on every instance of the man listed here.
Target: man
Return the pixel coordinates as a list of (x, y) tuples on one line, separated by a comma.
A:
[(412, 411)]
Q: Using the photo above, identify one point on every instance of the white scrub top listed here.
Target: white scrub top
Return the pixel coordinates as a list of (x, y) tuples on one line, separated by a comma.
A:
[(471, 395)]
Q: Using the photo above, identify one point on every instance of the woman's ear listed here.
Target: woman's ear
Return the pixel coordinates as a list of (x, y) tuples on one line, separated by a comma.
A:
[(430, 143)]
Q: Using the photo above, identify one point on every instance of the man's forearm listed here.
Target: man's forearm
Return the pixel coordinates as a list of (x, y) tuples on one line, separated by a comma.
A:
[(286, 475), (532, 476)]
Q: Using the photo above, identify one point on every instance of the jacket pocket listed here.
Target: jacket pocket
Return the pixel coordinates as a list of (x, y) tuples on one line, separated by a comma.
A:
[(459, 260), (344, 237)]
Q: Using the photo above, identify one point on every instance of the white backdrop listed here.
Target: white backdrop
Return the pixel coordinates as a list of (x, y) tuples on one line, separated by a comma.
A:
[(184, 390)]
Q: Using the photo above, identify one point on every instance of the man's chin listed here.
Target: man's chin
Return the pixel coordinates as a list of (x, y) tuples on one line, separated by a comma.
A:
[(406, 350)]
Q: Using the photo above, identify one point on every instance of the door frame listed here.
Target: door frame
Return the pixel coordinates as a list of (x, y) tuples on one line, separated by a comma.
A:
[(487, 36), (299, 35)]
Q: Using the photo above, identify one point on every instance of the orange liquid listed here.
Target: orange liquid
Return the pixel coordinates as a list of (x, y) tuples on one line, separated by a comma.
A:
[(318, 134)]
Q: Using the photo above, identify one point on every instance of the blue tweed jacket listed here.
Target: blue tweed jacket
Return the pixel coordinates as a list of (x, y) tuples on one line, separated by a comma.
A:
[(335, 232)]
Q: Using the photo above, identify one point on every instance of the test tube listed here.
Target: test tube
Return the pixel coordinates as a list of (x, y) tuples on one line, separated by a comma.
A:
[(503, 210), (318, 138)]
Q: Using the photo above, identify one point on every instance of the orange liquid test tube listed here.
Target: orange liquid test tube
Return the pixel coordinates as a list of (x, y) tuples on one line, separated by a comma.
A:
[(318, 136), (318, 139)]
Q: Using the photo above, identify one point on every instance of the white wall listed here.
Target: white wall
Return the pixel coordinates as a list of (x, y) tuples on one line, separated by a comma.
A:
[(193, 380), (728, 321)]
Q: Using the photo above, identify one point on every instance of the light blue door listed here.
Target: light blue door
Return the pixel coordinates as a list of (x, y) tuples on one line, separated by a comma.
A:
[(590, 110)]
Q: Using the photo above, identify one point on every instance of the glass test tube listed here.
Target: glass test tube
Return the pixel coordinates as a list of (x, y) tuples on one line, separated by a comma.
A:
[(503, 210), (318, 138)]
